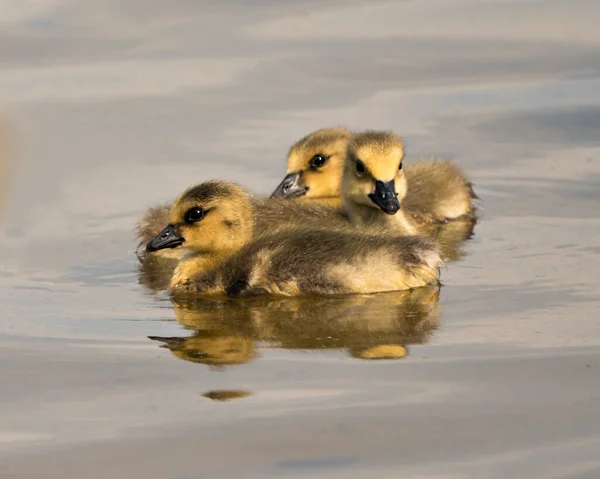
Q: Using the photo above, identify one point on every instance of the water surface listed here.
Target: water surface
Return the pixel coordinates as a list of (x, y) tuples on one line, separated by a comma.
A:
[(115, 106)]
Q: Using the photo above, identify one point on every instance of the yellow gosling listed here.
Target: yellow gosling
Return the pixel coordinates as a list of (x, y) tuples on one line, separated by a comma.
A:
[(215, 224)]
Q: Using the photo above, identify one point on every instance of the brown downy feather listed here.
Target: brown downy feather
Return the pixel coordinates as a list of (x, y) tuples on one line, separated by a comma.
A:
[(272, 213), (438, 191), (227, 257), (299, 262)]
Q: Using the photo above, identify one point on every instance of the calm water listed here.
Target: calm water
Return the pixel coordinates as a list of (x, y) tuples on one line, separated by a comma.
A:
[(116, 105)]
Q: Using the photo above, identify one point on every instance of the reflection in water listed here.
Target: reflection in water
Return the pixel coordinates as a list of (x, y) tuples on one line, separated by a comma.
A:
[(212, 348), (154, 272), (226, 395), (378, 326), (451, 237), (385, 351)]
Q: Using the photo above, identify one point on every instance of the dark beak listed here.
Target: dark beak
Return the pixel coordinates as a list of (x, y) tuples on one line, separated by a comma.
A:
[(167, 238), (385, 197), (290, 187)]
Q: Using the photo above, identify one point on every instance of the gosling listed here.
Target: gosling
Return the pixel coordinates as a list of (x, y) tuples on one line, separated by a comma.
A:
[(437, 190), (373, 181), (214, 223)]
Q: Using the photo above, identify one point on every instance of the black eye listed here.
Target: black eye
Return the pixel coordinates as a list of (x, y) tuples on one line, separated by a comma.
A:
[(194, 214), (400, 167), (318, 161), (360, 167)]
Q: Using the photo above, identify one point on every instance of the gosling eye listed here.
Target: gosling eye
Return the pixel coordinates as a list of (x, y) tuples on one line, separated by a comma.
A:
[(193, 215), (318, 161), (400, 167), (360, 167)]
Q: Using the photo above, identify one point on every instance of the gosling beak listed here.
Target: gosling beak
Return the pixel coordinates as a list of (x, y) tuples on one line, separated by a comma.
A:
[(167, 238), (385, 197), (290, 187)]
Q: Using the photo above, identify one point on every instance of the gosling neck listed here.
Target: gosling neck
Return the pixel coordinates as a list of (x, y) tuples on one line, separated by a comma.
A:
[(366, 216), (333, 200)]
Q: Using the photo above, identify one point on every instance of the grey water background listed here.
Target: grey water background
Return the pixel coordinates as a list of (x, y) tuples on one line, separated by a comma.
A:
[(114, 106)]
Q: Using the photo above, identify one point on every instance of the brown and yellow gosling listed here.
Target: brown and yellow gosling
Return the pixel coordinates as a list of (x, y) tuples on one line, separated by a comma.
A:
[(214, 222), (314, 166), (374, 181), (435, 191)]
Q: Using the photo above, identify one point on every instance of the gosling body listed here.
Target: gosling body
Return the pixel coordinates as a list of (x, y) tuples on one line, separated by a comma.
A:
[(214, 222), (438, 191), (314, 263)]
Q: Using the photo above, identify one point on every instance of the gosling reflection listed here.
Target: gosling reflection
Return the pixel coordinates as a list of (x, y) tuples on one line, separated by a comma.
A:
[(230, 332), (382, 351), (212, 349), (226, 395), (451, 237), (154, 273)]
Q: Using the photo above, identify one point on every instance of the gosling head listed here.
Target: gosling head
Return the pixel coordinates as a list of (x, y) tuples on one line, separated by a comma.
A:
[(315, 164), (214, 217), (373, 176)]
